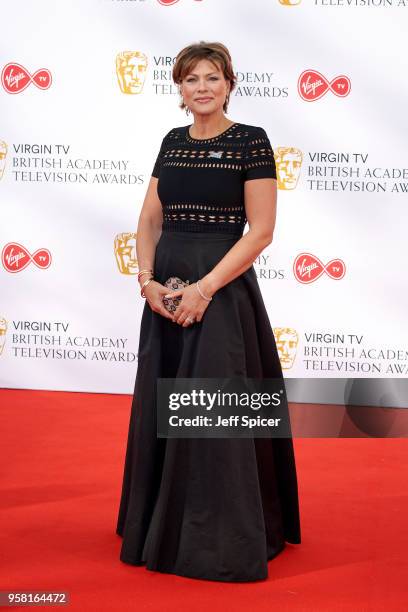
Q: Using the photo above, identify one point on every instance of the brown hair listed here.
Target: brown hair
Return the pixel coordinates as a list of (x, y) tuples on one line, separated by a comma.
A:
[(215, 52)]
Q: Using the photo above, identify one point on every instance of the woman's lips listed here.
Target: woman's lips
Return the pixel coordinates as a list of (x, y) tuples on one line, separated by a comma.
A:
[(203, 99)]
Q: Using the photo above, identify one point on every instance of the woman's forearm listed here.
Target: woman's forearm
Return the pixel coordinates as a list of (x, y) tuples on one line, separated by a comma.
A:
[(238, 259), (147, 237)]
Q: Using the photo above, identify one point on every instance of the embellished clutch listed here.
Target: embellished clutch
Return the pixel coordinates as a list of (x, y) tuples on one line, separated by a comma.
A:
[(174, 283)]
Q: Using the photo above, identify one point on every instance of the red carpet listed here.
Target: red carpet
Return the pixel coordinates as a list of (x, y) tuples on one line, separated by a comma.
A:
[(61, 470)]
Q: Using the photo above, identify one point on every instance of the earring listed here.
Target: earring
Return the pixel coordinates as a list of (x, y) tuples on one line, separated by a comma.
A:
[(187, 110)]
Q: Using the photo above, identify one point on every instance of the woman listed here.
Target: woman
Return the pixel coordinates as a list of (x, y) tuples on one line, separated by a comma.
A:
[(207, 508)]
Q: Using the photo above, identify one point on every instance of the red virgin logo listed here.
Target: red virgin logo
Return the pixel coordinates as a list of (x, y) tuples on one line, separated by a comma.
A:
[(312, 85), (15, 257), (307, 268), (15, 78)]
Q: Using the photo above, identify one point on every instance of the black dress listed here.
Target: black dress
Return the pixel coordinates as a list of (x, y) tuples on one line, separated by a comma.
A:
[(206, 508)]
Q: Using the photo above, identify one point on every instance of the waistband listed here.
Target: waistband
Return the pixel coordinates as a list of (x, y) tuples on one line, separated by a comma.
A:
[(186, 226), (196, 235)]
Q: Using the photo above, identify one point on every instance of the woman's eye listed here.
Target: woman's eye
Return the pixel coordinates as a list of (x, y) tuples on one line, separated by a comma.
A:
[(211, 79)]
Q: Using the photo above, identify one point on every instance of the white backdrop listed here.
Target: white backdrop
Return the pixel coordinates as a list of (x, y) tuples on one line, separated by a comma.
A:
[(77, 149)]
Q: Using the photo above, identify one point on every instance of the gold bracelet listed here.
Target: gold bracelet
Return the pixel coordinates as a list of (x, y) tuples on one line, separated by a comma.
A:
[(144, 285), (141, 272)]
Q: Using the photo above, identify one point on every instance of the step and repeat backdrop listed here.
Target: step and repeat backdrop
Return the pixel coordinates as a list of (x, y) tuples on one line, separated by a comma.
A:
[(86, 97)]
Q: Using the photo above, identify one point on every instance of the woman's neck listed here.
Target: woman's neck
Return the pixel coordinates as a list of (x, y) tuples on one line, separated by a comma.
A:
[(209, 127)]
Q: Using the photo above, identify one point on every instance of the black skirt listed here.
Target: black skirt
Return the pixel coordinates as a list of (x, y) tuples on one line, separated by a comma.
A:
[(208, 508)]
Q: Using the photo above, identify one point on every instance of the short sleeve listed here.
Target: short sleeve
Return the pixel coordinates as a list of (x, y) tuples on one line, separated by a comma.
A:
[(259, 159), (159, 158)]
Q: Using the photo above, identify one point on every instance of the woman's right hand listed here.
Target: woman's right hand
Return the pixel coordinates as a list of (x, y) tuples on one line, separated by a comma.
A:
[(154, 293)]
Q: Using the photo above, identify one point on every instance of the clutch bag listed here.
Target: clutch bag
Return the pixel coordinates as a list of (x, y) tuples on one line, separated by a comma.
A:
[(173, 284)]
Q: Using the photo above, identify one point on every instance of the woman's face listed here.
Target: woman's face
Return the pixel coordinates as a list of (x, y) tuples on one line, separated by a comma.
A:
[(204, 89)]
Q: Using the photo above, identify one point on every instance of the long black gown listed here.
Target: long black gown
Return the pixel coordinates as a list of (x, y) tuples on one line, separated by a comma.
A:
[(208, 508)]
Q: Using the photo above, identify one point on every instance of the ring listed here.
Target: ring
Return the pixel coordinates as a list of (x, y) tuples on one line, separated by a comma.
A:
[(190, 320)]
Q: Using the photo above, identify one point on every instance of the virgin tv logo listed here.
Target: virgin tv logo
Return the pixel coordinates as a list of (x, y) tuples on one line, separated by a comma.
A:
[(307, 268), (312, 85), (15, 257), (15, 78)]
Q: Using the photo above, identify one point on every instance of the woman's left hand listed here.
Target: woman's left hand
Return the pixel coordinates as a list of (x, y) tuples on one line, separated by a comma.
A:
[(192, 305)]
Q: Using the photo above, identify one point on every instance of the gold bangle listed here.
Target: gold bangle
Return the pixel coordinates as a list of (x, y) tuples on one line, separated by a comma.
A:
[(141, 272), (144, 285), (139, 279)]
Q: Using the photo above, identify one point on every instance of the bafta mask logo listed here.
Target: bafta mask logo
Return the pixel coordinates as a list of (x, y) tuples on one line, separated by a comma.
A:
[(288, 165), (287, 340), (3, 331), (307, 268), (3, 156), (289, 2), (131, 69), (312, 85), (125, 252), (15, 78)]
